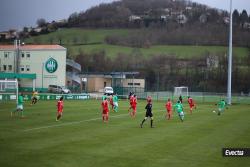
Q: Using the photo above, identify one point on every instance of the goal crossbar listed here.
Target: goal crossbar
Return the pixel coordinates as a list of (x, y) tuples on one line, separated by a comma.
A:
[(9, 86), (181, 90)]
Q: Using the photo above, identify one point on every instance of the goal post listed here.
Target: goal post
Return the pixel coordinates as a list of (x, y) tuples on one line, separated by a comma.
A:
[(9, 88), (182, 90)]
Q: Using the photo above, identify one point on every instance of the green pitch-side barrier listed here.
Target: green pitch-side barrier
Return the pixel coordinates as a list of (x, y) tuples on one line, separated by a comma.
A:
[(6, 97)]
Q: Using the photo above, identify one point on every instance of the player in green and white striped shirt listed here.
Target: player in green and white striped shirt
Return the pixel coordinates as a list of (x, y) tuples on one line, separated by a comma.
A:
[(19, 107), (115, 102), (221, 106), (179, 108)]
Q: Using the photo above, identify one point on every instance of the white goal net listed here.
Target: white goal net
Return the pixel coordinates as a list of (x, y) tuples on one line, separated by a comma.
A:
[(9, 88), (182, 90)]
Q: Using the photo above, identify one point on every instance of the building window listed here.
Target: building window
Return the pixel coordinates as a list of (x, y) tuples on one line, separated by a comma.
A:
[(131, 84), (21, 68), (23, 55), (4, 67), (28, 55), (10, 67), (27, 68), (6, 54)]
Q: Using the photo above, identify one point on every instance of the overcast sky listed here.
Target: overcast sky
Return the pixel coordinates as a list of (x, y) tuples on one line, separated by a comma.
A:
[(225, 4), (19, 13)]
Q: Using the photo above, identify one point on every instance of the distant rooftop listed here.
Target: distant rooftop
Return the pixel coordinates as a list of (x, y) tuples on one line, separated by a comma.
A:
[(111, 73), (33, 47)]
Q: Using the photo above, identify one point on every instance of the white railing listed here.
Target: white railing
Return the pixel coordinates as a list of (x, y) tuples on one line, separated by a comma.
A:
[(73, 64), (74, 77)]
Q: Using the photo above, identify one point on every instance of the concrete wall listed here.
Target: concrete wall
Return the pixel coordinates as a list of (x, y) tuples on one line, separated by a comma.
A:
[(7, 61), (34, 63), (138, 83), (37, 65), (96, 84)]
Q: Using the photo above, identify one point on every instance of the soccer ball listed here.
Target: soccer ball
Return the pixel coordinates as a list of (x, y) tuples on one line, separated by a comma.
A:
[(214, 111)]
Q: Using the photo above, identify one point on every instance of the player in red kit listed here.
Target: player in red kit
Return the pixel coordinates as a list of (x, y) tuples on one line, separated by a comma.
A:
[(59, 109), (169, 109), (131, 98), (191, 104), (134, 104), (105, 110)]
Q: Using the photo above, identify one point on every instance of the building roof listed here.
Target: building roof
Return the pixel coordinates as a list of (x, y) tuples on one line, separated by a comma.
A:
[(109, 74), (32, 47)]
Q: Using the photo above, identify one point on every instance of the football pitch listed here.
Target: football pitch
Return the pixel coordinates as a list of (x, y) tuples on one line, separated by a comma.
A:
[(80, 138)]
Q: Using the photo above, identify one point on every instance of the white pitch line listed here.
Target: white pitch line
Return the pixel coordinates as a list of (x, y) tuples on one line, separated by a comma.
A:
[(77, 122), (71, 123)]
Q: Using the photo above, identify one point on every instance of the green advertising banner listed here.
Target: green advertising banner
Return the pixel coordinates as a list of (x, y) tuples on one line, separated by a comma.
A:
[(4, 97)]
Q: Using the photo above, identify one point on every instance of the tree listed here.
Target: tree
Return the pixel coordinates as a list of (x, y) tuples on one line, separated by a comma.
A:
[(243, 17), (73, 19), (236, 17), (41, 22)]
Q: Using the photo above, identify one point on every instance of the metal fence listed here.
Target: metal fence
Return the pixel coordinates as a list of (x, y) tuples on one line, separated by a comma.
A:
[(126, 90), (9, 96), (199, 97)]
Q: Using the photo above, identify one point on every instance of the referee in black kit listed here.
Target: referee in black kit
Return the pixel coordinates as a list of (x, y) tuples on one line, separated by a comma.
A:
[(148, 113)]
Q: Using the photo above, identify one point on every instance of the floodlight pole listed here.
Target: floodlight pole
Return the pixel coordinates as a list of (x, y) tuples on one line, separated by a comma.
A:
[(229, 81)]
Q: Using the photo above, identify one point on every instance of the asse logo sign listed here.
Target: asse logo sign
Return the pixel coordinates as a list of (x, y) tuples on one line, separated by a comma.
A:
[(51, 65)]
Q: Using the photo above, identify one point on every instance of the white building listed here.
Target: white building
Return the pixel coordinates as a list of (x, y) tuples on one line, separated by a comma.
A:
[(134, 18), (36, 66)]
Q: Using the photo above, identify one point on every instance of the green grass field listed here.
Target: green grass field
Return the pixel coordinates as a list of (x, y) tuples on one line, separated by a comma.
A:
[(173, 50), (82, 139), (71, 38)]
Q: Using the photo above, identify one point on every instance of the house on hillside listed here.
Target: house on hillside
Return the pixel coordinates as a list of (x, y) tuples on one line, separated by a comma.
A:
[(175, 13), (134, 18), (11, 34), (164, 18), (167, 11), (188, 8), (203, 18), (4, 34), (61, 21), (181, 19), (212, 61), (37, 29), (226, 20), (246, 25)]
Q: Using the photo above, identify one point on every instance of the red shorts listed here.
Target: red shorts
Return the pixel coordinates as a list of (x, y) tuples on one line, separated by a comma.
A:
[(105, 111), (191, 105), (134, 108), (105, 115), (169, 111), (59, 111)]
